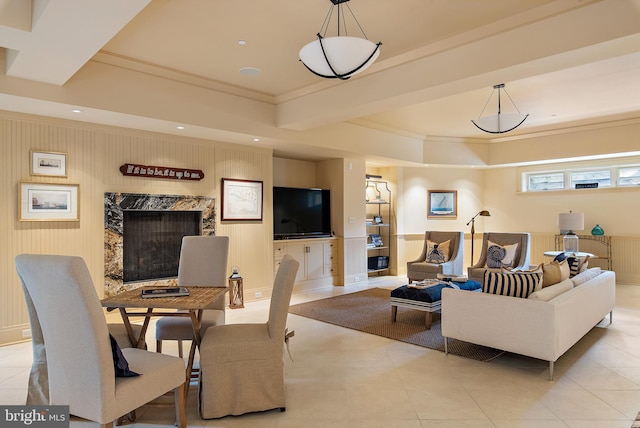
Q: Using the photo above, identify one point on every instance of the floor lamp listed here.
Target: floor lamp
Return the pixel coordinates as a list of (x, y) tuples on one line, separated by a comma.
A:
[(483, 213)]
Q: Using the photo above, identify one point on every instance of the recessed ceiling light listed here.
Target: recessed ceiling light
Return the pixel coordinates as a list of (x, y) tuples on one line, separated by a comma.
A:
[(76, 110), (249, 71), (256, 139), (242, 42), (180, 127)]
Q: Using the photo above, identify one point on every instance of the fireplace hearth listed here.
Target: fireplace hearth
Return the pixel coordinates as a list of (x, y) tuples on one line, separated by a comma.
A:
[(146, 252)]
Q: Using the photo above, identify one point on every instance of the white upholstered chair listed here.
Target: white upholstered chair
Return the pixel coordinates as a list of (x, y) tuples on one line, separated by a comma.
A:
[(421, 268), (79, 356), (38, 385), (521, 258), (203, 263), (242, 365)]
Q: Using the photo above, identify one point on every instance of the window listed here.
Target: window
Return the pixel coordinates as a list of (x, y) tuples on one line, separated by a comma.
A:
[(545, 181), (598, 176), (629, 176), (602, 178)]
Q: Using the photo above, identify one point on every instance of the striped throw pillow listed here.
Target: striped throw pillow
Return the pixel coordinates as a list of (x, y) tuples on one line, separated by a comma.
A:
[(512, 284)]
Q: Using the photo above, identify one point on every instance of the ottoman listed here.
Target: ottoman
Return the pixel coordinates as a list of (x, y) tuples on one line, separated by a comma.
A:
[(426, 299)]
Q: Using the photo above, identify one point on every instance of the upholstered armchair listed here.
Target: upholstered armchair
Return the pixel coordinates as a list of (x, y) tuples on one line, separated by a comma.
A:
[(519, 256), (79, 353), (423, 267), (203, 263), (242, 365)]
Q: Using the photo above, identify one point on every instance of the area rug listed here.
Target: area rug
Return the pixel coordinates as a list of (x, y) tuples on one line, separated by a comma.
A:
[(369, 311)]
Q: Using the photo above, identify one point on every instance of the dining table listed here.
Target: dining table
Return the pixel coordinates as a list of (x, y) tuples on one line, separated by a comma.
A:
[(131, 304)]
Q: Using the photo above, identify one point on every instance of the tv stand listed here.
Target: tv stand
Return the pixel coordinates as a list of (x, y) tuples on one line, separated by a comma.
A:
[(287, 237), (318, 258)]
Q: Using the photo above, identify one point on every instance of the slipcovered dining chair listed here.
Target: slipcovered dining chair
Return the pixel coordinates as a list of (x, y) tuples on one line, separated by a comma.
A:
[(429, 265), (203, 263), (516, 248), (38, 384), (242, 365), (79, 354)]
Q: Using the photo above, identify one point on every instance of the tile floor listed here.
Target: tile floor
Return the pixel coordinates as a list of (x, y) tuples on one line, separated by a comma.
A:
[(343, 378)]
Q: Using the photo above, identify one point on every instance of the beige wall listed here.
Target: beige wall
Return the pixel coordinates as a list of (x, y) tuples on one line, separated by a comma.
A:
[(94, 155)]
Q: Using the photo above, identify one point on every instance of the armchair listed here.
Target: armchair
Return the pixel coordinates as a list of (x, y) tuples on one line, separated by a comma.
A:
[(421, 268), (81, 369), (521, 257)]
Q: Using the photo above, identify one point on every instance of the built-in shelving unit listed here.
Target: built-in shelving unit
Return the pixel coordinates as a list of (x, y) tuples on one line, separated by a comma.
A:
[(378, 200)]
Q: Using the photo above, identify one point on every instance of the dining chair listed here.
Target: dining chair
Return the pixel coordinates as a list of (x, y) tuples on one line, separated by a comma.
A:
[(79, 355), (242, 365), (38, 384), (203, 263)]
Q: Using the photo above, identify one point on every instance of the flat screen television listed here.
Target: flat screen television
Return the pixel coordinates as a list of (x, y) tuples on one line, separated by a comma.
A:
[(301, 213)]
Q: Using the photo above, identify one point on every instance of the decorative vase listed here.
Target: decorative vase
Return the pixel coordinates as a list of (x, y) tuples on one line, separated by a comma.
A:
[(597, 230)]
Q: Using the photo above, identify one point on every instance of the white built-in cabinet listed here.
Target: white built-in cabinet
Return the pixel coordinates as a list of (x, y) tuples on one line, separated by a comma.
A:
[(317, 258)]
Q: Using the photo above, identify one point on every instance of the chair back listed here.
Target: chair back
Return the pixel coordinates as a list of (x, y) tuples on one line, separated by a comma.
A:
[(281, 297), (79, 357), (203, 263), (522, 256)]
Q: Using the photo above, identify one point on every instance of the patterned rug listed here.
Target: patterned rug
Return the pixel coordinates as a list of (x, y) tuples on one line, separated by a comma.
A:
[(369, 311)]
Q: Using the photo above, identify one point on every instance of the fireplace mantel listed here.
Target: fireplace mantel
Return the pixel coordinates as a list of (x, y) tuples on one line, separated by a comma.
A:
[(114, 206)]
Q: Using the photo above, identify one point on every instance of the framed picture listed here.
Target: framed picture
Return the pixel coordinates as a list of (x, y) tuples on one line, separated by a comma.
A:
[(442, 203), (48, 163), (377, 219), (48, 202), (241, 199)]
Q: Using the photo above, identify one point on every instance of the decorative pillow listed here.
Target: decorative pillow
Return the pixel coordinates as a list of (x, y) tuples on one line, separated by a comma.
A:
[(510, 284), (585, 276), (555, 272), (548, 293), (120, 363), (438, 253), (500, 255), (577, 264)]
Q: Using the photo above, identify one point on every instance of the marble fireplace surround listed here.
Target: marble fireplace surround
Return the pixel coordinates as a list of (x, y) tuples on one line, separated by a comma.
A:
[(114, 206)]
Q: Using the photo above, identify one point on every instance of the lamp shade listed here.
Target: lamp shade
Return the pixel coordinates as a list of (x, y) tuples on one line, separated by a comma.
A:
[(339, 56), (570, 222)]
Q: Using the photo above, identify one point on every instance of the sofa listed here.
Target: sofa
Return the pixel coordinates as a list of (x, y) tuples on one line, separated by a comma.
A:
[(544, 325)]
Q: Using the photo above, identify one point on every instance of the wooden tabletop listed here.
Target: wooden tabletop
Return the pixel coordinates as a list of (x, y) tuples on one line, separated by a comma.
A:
[(198, 298)]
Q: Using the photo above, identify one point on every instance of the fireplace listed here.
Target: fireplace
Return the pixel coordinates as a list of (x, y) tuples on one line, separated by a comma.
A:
[(152, 241), (143, 234)]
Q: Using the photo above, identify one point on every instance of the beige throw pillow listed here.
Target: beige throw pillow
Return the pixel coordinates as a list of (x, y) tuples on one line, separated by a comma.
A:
[(438, 252), (555, 272), (548, 293)]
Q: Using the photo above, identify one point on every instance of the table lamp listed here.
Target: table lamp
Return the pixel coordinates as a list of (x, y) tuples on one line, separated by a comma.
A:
[(568, 224)]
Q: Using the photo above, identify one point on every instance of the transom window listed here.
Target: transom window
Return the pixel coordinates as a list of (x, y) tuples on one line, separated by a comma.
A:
[(581, 178)]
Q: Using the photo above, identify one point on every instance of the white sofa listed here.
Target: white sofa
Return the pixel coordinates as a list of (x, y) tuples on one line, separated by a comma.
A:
[(531, 327)]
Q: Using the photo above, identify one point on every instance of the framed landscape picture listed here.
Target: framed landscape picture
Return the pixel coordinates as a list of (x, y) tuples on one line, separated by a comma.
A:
[(442, 203), (48, 202), (48, 163), (241, 199)]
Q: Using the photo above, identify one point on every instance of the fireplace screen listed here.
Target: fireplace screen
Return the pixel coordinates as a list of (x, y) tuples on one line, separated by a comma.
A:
[(152, 240)]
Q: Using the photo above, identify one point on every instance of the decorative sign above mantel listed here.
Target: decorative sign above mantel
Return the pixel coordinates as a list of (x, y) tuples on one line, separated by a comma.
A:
[(161, 172)]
